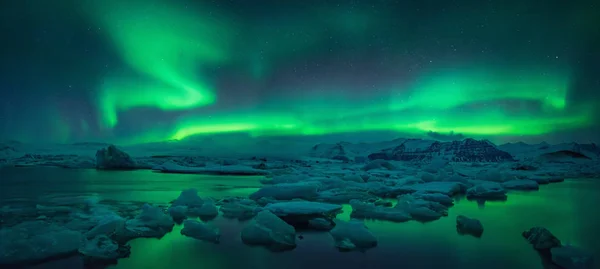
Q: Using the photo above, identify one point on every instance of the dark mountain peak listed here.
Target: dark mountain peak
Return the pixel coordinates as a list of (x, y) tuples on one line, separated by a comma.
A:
[(467, 150)]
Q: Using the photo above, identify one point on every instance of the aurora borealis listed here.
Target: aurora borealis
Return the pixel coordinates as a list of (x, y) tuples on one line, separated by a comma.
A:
[(145, 71)]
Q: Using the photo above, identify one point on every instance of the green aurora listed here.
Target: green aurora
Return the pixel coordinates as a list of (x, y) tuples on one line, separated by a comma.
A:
[(320, 69), (168, 45), (164, 44)]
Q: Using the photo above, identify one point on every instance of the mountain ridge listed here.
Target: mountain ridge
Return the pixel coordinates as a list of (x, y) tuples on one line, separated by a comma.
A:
[(465, 150)]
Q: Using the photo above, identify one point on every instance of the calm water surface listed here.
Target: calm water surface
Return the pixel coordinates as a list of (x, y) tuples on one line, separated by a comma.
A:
[(569, 210), (139, 185)]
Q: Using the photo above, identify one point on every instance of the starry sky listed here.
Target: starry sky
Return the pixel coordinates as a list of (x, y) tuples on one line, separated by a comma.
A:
[(151, 70)]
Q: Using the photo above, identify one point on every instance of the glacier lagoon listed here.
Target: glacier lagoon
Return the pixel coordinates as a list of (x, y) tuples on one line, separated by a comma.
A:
[(273, 134), (568, 209)]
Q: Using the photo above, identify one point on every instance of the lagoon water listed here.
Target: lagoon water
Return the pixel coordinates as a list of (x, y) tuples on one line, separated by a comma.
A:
[(568, 209)]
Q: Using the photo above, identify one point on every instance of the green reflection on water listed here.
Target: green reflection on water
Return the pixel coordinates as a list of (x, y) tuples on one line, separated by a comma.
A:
[(163, 187), (138, 185), (155, 253), (567, 209)]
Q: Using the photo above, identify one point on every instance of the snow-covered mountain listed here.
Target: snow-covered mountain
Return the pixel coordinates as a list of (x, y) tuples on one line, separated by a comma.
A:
[(421, 150), (350, 151), (522, 150), (467, 150), (7, 151)]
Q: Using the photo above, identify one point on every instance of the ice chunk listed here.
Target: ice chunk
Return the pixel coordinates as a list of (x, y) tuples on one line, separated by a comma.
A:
[(36, 241), (109, 225), (112, 158), (171, 167), (190, 204), (151, 222), (352, 235), (293, 178), (353, 178), (420, 209), (435, 197), (288, 191), (303, 208), (207, 211), (270, 231), (494, 175), (487, 191), (363, 210), (428, 177), (541, 238), (300, 213), (200, 231), (379, 164), (178, 213), (188, 198), (465, 225), (447, 188), (521, 184), (239, 209), (344, 195), (103, 249), (321, 224)]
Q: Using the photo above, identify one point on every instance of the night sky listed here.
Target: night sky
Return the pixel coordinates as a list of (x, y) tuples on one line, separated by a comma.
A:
[(147, 70)]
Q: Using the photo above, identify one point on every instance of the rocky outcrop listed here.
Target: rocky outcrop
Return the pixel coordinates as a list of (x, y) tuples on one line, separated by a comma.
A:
[(112, 158), (468, 150)]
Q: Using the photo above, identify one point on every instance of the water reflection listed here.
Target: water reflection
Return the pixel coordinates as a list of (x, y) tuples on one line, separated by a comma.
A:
[(568, 209), (558, 207), (139, 186)]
